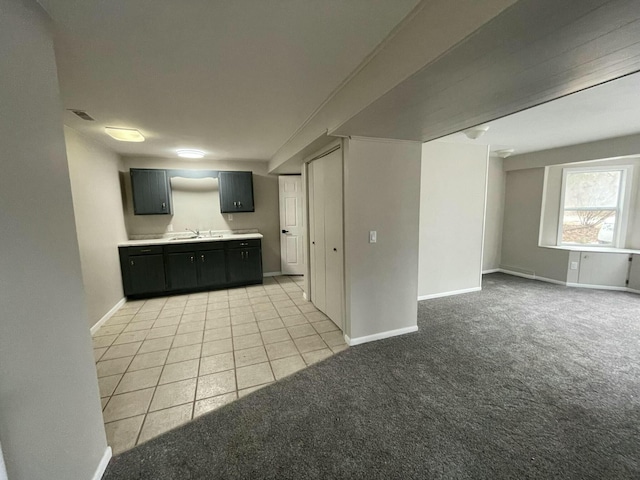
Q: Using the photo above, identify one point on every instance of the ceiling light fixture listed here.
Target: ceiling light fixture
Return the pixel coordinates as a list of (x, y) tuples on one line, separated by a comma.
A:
[(507, 152), (475, 132), (125, 134), (190, 153)]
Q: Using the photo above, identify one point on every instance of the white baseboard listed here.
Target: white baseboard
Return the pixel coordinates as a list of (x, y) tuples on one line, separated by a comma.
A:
[(603, 287), (447, 294), (108, 315), (272, 274), (102, 466), (379, 336), (491, 270), (532, 277)]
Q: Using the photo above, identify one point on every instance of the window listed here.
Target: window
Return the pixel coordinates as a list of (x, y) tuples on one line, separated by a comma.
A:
[(591, 206)]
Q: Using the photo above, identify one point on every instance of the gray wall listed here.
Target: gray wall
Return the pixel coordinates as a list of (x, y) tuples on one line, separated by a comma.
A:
[(50, 415), (521, 225), (494, 214), (382, 193), (452, 205), (97, 203), (196, 204)]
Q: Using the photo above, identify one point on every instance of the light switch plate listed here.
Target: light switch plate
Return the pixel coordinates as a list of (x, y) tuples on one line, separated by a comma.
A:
[(373, 236)]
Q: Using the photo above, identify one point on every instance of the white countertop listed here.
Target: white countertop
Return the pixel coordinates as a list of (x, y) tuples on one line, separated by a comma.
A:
[(178, 240)]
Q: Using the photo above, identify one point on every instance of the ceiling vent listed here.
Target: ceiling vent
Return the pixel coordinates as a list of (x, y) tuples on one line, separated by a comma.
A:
[(83, 115)]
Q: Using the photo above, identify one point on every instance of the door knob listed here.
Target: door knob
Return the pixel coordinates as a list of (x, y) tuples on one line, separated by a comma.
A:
[(285, 231)]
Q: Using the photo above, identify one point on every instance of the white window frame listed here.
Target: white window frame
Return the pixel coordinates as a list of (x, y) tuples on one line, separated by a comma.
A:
[(622, 210)]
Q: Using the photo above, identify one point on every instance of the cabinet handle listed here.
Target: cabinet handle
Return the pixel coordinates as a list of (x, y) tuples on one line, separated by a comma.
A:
[(240, 204), (242, 255), (235, 204), (244, 244), (164, 206), (202, 258), (192, 259), (132, 264), (247, 254)]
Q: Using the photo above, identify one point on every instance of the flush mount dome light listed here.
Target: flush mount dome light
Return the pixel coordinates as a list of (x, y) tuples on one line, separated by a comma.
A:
[(476, 132), (507, 152), (125, 134), (190, 153)]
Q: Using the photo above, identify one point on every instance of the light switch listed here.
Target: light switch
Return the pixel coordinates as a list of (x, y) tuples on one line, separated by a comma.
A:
[(373, 236)]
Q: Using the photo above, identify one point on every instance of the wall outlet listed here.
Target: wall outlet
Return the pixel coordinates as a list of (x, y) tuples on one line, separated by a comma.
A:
[(373, 236), (574, 265), (231, 217), (170, 227)]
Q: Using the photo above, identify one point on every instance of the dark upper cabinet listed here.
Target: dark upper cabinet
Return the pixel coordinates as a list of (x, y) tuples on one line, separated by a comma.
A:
[(142, 270), (151, 191), (236, 192)]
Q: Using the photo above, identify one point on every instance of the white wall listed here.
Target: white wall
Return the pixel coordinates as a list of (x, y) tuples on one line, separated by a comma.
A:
[(382, 193), (50, 413), (452, 205), (494, 215), (97, 204), (196, 204)]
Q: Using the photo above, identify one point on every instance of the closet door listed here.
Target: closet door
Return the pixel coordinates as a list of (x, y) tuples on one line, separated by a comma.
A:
[(333, 228), (318, 248)]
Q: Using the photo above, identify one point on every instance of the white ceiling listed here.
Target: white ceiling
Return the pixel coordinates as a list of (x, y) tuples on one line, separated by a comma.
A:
[(604, 111), (233, 78)]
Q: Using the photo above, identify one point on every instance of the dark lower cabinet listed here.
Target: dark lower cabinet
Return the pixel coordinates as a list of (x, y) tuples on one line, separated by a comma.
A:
[(245, 265), (142, 271), (182, 271), (212, 268), (184, 267)]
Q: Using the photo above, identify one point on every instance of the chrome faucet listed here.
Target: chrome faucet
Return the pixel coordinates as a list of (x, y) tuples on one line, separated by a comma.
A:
[(195, 232)]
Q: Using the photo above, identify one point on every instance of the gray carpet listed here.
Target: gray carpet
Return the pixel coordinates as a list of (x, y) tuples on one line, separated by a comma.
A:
[(521, 380)]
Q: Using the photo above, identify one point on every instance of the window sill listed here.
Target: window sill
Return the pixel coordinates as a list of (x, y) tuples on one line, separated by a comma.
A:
[(587, 248)]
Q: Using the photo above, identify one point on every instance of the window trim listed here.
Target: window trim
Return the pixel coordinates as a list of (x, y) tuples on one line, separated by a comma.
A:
[(622, 210)]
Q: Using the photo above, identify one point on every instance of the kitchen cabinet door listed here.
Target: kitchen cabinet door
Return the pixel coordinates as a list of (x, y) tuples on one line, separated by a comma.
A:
[(212, 268), (144, 274), (182, 270), (236, 192), (245, 265), (151, 192)]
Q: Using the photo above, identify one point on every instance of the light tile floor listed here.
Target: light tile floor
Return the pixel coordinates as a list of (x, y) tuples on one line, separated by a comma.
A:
[(163, 361)]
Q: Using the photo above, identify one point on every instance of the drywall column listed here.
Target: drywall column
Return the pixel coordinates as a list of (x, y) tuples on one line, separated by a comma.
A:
[(452, 206), (97, 203), (50, 413), (494, 215), (382, 193)]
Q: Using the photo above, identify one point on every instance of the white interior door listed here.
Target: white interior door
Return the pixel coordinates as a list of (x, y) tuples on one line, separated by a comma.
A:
[(291, 225), (333, 225)]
